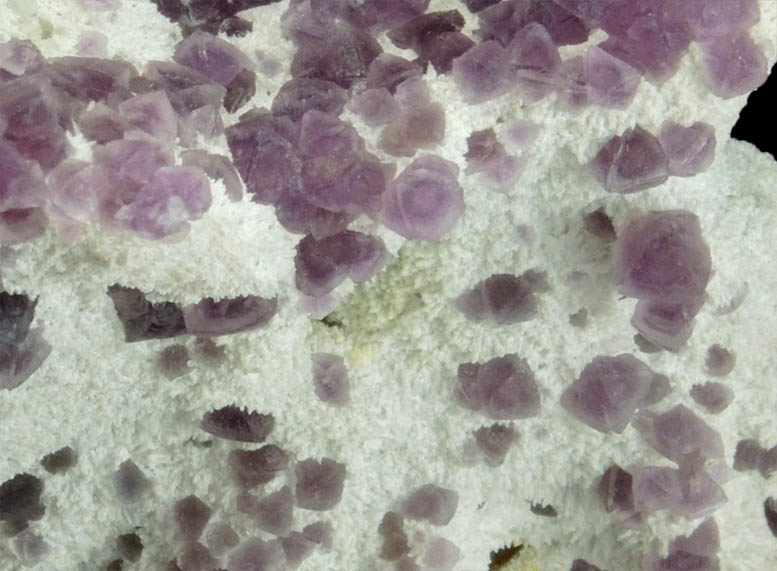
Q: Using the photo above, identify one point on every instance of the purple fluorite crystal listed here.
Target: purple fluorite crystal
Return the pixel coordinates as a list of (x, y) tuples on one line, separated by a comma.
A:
[(678, 433), (747, 455), (196, 557), (425, 200), (323, 264), (20, 502), (615, 490), (298, 96), (142, 319), (59, 461), (600, 225), (431, 503), (503, 21), (273, 512), (211, 56), (221, 538), (770, 513), (237, 424), (735, 65), (583, 565), (257, 555), (534, 62), (722, 17), (21, 180), (394, 544), (690, 149), (151, 112), (191, 516), (667, 325), (713, 397), (486, 154), (697, 551), (504, 388), (441, 555), (30, 547), (319, 483), (375, 106), (608, 392), (186, 88), (17, 57), (210, 318), (720, 361), (216, 167), (330, 378), (495, 441), (503, 298), (320, 533), (130, 482), (482, 72), (384, 14), (631, 162), (388, 70), (240, 90), (297, 548), (656, 488), (130, 546), (611, 82), (250, 468)]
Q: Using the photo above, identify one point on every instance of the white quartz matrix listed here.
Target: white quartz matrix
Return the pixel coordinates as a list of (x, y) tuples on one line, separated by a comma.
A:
[(401, 338)]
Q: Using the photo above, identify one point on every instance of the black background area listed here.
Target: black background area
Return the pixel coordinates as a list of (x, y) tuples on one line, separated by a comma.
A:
[(757, 123)]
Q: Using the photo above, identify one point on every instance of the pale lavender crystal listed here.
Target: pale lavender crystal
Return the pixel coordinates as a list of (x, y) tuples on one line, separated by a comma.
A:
[(615, 489), (667, 325), (263, 151), (17, 57), (273, 512), (130, 482), (196, 557), (151, 112), (656, 488), (174, 361), (215, 58), (735, 65), (503, 298), (608, 392), (210, 318), (631, 162), (534, 62), (30, 547), (321, 265), (441, 555), (431, 503), (394, 544), (770, 513), (342, 56), (319, 483), (20, 502), (425, 200), (678, 433), (92, 44), (388, 70), (503, 21), (186, 88), (747, 454), (216, 167), (59, 461), (713, 397), (250, 468), (720, 361), (406, 563), (237, 424), (701, 493), (21, 180), (482, 73), (573, 90), (662, 255), (165, 205), (421, 126), (88, 79), (130, 546), (487, 155), (330, 378), (32, 112), (495, 441), (384, 14), (142, 319), (257, 555), (704, 540), (102, 124), (240, 90), (375, 106), (696, 552), (300, 95), (723, 17), (320, 533), (503, 388), (611, 82), (221, 538), (690, 149), (191, 516), (297, 548)]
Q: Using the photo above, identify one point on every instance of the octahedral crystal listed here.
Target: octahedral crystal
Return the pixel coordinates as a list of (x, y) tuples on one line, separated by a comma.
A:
[(611, 82), (215, 58), (142, 319), (130, 482), (679, 433), (482, 72), (191, 516), (631, 162), (722, 17), (534, 62), (615, 489), (431, 503), (495, 441), (319, 483), (503, 298), (298, 96), (608, 392), (734, 64), (720, 361), (690, 150), (238, 424), (250, 468), (425, 200), (330, 378), (20, 502), (441, 555), (713, 397), (502, 388), (59, 461), (210, 318)]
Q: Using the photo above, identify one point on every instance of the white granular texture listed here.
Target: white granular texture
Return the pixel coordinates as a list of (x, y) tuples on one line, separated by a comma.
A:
[(401, 338)]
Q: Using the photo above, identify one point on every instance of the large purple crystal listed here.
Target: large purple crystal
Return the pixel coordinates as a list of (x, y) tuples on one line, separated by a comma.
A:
[(482, 73), (503, 388), (608, 392), (210, 318), (678, 434), (735, 65), (431, 503), (631, 162)]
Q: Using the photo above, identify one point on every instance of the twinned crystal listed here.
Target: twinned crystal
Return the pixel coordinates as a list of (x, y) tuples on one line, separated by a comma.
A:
[(631, 162)]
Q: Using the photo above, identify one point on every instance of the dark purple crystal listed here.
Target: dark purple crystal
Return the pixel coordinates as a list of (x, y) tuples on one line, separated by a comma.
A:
[(210, 318), (191, 516), (59, 461), (234, 423), (615, 490), (319, 483), (20, 502), (250, 468), (431, 503), (142, 319)]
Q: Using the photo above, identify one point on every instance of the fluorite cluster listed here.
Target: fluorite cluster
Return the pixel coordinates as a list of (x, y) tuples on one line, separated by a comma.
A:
[(22, 350)]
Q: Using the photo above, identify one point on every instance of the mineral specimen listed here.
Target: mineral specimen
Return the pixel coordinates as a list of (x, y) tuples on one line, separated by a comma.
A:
[(251, 468), (495, 441), (174, 361), (234, 423), (142, 319), (690, 150), (20, 502), (216, 167), (330, 378), (210, 318), (130, 482), (319, 483), (720, 361), (191, 516), (431, 503), (615, 489), (631, 162), (713, 397), (678, 433), (59, 461), (608, 392)]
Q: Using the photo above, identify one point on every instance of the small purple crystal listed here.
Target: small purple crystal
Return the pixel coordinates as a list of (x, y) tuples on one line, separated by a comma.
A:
[(503, 298), (273, 512), (495, 441), (656, 488), (432, 503), (17, 57), (534, 62), (679, 433), (388, 70), (482, 73), (130, 546), (191, 516), (60, 461), (20, 502), (608, 392), (441, 555), (210, 318), (600, 225), (257, 555), (583, 565), (237, 424), (319, 483), (747, 454), (666, 325), (330, 378), (320, 533), (425, 200), (503, 388), (394, 544), (130, 482), (250, 468), (174, 361), (770, 513), (690, 149), (720, 361), (735, 65), (221, 538), (142, 319), (196, 557), (421, 126), (615, 490), (631, 162), (297, 548), (713, 397), (298, 96), (186, 88), (213, 57), (611, 82)]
